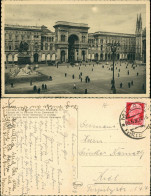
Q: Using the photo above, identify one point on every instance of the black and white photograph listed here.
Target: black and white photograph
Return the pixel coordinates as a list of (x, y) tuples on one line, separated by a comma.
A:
[(75, 48)]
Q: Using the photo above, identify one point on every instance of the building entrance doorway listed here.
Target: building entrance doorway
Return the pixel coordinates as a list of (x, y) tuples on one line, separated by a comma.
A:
[(72, 40), (35, 58), (83, 55), (62, 56)]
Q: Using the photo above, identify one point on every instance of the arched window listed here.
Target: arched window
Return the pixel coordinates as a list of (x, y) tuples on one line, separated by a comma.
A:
[(10, 36), (51, 47), (52, 39), (42, 46), (46, 46), (22, 36), (16, 37), (16, 47), (63, 38)]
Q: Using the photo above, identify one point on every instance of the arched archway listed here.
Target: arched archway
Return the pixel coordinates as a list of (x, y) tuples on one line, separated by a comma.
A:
[(43, 57), (36, 58), (101, 56), (15, 57), (10, 58), (72, 40), (96, 56), (105, 56), (62, 56), (53, 57), (48, 57)]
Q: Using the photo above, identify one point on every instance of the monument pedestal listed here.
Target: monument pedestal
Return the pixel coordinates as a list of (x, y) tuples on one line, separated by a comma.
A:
[(23, 58)]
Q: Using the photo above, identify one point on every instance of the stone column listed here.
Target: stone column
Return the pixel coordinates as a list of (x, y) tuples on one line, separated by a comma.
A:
[(66, 55), (98, 56), (80, 54), (58, 55), (86, 55), (75, 54)]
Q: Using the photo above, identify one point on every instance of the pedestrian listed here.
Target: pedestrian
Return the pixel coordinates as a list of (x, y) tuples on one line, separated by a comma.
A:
[(79, 68), (74, 86), (86, 79), (73, 76), (30, 82), (128, 72), (12, 85), (86, 91), (121, 85), (132, 82), (137, 73), (65, 74), (92, 69), (38, 90), (81, 79), (42, 86), (116, 67), (45, 87), (35, 88)]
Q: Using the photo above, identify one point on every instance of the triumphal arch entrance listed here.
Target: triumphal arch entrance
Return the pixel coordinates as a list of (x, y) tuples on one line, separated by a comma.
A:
[(71, 41)]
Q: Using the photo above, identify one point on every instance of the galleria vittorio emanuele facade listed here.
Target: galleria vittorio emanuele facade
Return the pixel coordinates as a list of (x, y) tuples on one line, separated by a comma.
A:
[(71, 42)]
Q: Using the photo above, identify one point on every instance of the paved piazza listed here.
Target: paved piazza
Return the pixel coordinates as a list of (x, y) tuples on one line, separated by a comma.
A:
[(100, 79)]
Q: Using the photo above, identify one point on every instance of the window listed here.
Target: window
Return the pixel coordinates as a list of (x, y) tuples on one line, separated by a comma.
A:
[(16, 47), (10, 47), (63, 38), (10, 36), (22, 36), (36, 36), (52, 39), (51, 47), (41, 46), (46, 46), (101, 47), (16, 37)]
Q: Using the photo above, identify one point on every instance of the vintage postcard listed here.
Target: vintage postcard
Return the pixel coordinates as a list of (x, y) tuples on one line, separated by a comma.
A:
[(75, 146), (75, 48)]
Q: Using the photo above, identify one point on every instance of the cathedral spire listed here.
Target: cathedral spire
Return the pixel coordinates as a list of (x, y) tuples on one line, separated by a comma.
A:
[(137, 23), (140, 21)]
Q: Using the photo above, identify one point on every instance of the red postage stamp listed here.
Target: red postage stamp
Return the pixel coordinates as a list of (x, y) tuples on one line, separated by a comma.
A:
[(134, 113)]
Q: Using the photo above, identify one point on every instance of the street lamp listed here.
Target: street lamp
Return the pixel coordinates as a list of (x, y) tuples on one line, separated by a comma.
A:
[(113, 49)]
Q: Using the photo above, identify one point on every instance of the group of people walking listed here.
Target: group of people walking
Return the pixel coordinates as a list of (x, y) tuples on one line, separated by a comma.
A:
[(38, 90)]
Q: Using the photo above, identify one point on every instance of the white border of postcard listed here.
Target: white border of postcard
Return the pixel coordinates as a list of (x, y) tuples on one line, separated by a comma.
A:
[(147, 2)]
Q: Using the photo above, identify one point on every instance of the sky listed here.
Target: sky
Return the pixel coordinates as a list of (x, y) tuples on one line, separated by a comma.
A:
[(99, 17)]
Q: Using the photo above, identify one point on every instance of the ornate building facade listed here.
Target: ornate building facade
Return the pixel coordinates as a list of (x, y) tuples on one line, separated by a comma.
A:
[(72, 42)]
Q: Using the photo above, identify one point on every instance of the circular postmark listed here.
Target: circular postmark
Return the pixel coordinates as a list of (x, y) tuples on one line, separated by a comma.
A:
[(132, 120)]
